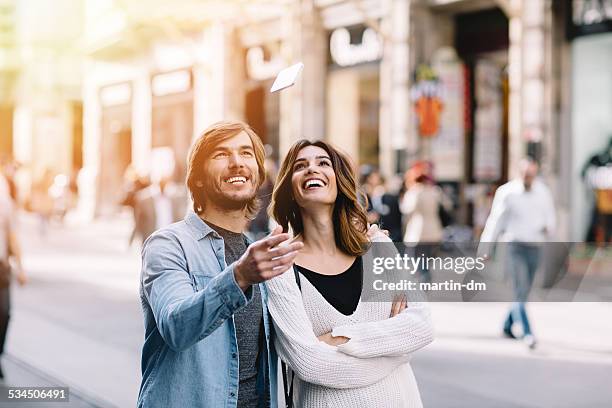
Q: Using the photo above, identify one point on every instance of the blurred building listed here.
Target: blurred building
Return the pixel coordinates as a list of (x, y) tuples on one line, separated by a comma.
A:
[(9, 69), (586, 120), (472, 85), (40, 76)]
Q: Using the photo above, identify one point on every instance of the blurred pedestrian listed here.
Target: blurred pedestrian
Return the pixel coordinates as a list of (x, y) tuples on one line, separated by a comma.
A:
[(259, 227), (597, 174), (420, 205), (164, 201), (523, 216), (383, 207), (9, 250), (61, 197), (9, 169), (132, 184), (41, 201)]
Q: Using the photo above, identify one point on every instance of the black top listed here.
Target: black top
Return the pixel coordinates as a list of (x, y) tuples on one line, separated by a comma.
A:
[(342, 291)]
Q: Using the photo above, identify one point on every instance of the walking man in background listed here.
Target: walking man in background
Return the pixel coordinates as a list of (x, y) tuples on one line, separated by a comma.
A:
[(523, 216), (207, 331)]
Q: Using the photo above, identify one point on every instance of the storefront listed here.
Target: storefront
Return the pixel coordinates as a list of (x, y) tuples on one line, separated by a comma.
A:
[(172, 116), (116, 144), (353, 92), (460, 98), (589, 28)]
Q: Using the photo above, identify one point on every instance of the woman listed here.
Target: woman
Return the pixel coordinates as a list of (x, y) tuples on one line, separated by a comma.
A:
[(345, 352), (421, 205)]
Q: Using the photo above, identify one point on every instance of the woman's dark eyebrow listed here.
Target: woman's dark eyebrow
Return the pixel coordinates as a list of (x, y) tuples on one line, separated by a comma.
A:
[(317, 157)]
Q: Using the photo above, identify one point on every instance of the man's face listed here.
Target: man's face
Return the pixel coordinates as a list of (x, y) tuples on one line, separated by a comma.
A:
[(231, 175), (529, 172)]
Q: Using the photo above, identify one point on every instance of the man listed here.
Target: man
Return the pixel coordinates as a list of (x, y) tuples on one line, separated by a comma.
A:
[(163, 202), (9, 247), (523, 215), (207, 331)]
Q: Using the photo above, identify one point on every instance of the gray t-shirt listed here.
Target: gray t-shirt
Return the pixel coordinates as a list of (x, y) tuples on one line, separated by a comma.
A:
[(248, 321)]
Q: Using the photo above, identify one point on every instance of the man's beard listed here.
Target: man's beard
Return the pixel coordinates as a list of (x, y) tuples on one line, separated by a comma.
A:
[(221, 200)]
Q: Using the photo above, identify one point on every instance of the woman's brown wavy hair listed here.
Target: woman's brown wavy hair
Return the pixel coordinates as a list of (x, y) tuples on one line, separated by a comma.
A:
[(349, 216)]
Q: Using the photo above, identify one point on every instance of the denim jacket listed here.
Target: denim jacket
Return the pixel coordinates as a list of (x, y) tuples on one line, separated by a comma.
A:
[(189, 296)]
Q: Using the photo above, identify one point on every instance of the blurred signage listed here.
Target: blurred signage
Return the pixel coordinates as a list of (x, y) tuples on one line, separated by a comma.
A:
[(589, 17), (356, 45), (426, 94), (447, 148), (171, 82), (117, 94), (488, 121), (261, 68)]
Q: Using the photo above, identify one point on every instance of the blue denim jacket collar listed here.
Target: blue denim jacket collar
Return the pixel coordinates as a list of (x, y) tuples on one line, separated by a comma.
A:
[(197, 225), (200, 228)]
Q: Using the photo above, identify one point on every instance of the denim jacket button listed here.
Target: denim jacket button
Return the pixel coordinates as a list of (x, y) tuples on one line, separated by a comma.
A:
[(232, 394), (233, 355)]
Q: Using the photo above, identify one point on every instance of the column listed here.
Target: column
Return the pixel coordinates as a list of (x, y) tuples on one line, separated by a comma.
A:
[(395, 105), (302, 107), (515, 71)]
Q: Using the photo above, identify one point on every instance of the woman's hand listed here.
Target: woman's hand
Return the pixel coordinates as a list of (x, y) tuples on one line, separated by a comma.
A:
[(399, 305), (375, 231), (331, 340)]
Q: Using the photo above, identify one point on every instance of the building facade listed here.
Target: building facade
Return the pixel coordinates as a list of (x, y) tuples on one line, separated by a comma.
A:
[(471, 85)]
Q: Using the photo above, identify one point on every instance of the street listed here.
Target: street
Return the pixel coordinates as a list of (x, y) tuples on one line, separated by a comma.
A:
[(78, 323)]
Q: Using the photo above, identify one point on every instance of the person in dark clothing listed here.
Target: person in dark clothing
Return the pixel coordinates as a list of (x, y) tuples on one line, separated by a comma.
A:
[(9, 248), (597, 173), (383, 207)]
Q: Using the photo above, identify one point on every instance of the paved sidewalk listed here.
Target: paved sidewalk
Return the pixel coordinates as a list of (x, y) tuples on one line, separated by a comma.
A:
[(79, 318), (20, 374), (79, 322)]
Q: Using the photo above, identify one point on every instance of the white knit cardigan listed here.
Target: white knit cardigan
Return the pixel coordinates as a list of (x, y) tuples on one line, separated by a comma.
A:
[(371, 370)]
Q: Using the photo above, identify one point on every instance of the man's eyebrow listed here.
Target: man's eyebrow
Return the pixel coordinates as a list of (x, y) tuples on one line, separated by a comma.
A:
[(228, 149)]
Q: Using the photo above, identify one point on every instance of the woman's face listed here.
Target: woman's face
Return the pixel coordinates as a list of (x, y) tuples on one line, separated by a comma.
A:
[(313, 180)]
